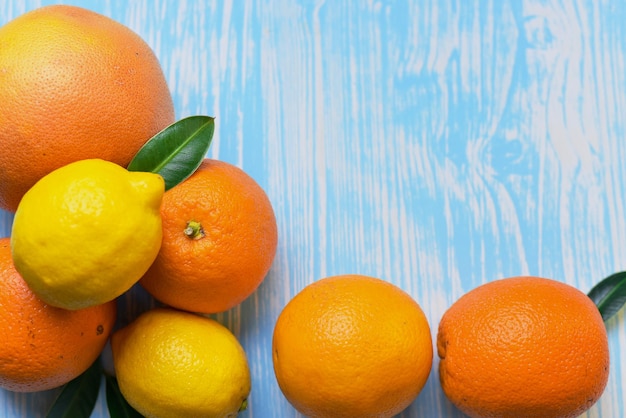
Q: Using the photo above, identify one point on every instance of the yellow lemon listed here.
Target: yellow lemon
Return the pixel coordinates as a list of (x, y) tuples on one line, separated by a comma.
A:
[(172, 363), (86, 232)]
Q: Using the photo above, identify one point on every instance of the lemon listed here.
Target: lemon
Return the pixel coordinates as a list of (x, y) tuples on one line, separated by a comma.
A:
[(86, 232), (172, 363)]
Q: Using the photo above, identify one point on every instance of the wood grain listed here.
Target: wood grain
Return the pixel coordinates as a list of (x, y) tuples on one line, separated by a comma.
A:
[(435, 144)]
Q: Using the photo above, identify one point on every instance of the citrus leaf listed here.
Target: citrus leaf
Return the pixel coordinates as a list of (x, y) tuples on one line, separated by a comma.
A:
[(117, 404), (610, 295), (177, 151), (78, 397)]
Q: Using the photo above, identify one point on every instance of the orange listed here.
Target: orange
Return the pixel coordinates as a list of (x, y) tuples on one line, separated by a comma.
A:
[(44, 347), (219, 240), (351, 346), (73, 85), (523, 347)]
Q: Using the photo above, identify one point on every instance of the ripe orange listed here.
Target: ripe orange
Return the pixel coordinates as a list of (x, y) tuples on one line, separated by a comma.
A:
[(523, 347), (351, 346), (73, 85), (219, 240), (44, 347)]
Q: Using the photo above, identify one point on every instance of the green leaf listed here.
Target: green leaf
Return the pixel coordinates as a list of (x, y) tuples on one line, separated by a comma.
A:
[(177, 151), (78, 397), (610, 295), (118, 406)]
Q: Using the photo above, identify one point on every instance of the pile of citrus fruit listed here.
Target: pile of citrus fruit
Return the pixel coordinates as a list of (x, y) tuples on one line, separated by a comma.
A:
[(82, 95)]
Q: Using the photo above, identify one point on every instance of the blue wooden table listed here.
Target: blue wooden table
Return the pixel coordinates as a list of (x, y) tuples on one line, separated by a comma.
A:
[(435, 144)]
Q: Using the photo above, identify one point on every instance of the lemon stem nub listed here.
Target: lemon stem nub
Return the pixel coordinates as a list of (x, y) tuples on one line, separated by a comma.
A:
[(244, 405), (194, 230)]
